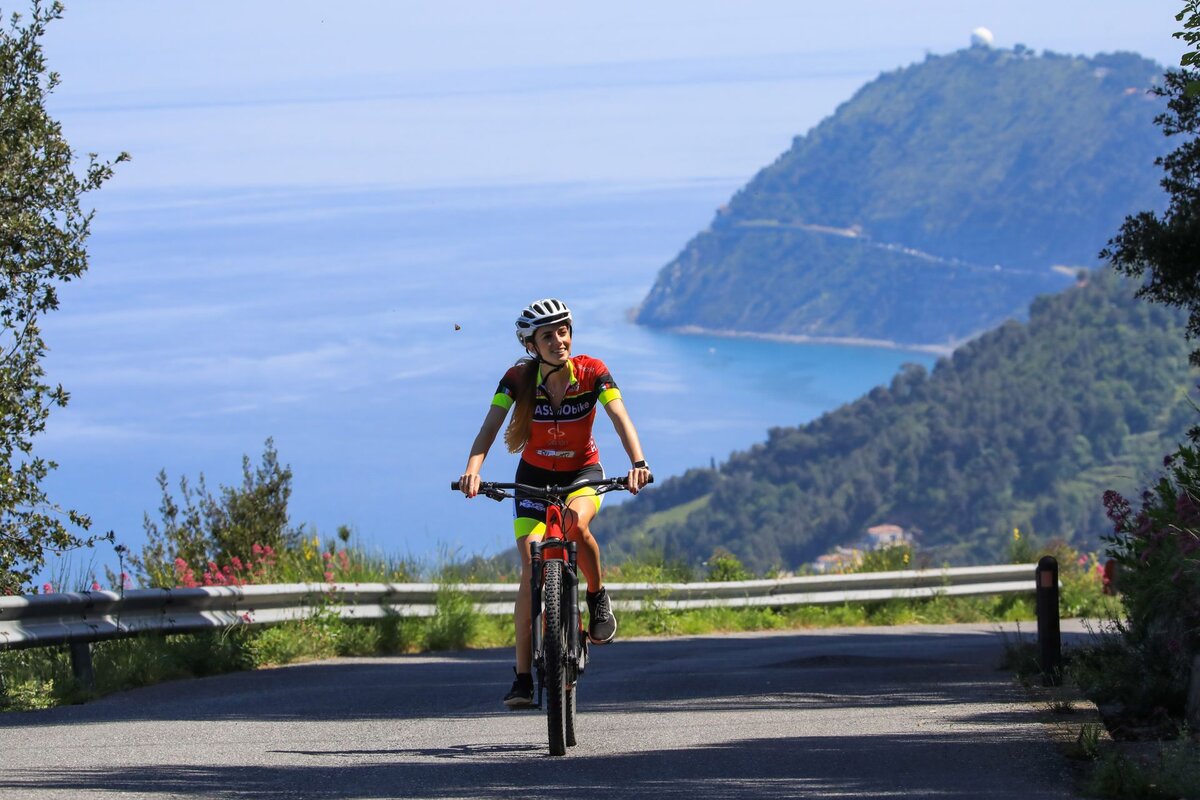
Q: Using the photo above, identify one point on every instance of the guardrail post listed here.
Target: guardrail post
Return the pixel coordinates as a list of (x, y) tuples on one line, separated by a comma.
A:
[(1192, 708), (1049, 636), (81, 664)]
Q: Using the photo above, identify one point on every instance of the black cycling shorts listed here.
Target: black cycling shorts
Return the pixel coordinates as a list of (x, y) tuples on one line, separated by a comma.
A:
[(529, 513)]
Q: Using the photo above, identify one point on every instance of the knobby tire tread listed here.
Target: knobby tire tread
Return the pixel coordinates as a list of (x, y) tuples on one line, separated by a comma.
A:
[(570, 715), (555, 646)]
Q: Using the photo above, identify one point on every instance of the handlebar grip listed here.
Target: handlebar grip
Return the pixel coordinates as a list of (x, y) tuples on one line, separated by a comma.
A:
[(454, 487)]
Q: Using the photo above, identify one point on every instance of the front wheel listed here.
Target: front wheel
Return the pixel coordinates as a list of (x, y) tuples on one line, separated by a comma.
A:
[(569, 721), (555, 653)]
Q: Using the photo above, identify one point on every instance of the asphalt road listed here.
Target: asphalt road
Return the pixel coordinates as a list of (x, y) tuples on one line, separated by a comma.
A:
[(847, 713)]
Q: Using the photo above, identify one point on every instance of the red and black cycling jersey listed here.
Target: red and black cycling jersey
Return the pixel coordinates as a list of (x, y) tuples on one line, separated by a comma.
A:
[(561, 438)]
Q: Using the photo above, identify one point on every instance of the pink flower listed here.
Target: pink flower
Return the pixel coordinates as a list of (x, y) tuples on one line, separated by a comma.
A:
[(126, 581), (95, 586), (329, 577), (47, 588)]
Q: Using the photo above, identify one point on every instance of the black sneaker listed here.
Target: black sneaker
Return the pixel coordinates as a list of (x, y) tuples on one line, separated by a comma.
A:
[(521, 693), (602, 625)]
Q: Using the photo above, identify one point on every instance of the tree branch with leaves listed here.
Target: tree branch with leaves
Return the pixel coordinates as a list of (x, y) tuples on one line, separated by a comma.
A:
[(43, 230)]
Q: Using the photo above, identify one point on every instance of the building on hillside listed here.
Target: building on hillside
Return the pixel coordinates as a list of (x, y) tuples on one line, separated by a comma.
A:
[(842, 559), (881, 536), (877, 537)]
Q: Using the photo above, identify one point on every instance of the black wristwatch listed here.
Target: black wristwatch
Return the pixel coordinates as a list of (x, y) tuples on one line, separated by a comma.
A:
[(640, 465)]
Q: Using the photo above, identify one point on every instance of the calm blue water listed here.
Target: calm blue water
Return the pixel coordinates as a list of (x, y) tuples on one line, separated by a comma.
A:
[(327, 321)]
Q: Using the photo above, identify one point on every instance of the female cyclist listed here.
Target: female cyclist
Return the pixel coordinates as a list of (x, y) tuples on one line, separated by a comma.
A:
[(554, 397)]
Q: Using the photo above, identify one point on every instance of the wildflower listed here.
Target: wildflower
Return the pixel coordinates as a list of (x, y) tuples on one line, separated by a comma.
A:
[(1116, 507), (47, 588), (1016, 534), (329, 577), (126, 581), (246, 617), (1082, 561), (256, 549), (95, 586)]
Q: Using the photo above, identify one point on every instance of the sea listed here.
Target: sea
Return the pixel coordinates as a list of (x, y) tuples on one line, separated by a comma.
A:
[(363, 332)]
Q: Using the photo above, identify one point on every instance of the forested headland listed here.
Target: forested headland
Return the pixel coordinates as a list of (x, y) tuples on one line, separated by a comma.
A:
[(933, 205), (1023, 427)]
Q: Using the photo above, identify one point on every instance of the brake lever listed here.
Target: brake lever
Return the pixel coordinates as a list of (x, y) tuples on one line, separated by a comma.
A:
[(496, 495)]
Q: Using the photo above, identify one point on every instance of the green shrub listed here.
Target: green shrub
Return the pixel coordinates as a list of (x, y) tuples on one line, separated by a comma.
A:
[(1157, 550), (455, 622), (725, 566), (886, 559), (358, 639), (301, 640)]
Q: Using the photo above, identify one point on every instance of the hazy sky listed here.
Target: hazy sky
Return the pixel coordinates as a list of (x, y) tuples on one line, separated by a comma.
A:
[(220, 93)]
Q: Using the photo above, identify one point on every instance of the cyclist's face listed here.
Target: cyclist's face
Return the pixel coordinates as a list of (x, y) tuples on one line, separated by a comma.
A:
[(553, 343)]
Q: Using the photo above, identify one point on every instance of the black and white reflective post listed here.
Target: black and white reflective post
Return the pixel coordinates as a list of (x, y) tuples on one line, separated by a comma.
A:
[(1049, 636)]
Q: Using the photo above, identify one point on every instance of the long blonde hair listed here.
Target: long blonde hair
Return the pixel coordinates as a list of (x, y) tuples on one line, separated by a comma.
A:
[(516, 435)]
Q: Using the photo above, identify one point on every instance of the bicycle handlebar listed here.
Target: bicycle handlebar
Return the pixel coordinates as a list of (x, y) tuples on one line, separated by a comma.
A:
[(499, 491)]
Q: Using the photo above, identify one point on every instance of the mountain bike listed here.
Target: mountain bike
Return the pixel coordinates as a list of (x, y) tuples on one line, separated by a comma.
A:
[(560, 647)]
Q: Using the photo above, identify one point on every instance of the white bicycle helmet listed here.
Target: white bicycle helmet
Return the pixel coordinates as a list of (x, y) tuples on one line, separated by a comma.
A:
[(540, 313)]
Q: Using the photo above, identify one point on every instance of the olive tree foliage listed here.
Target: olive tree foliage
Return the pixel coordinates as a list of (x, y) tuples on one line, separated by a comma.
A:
[(42, 236), (1164, 250), (1190, 17)]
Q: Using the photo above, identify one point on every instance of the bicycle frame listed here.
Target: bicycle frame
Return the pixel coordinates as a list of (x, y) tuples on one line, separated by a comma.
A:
[(570, 646), (554, 545)]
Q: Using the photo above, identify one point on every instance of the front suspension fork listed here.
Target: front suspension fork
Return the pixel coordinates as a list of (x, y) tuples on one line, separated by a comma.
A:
[(570, 590), (571, 607), (535, 615)]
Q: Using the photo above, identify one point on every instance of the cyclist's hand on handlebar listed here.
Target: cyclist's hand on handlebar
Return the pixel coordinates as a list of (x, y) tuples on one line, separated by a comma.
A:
[(468, 484), (637, 478)]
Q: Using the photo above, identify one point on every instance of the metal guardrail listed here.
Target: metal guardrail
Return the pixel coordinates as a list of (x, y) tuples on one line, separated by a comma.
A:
[(82, 617)]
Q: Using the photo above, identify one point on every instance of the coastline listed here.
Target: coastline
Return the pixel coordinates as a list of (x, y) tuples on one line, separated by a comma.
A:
[(792, 338)]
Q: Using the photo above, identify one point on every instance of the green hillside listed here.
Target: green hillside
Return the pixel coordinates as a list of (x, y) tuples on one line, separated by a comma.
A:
[(934, 204), (1024, 426)]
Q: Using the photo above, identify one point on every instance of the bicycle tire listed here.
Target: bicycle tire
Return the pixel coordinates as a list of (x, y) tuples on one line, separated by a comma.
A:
[(555, 649), (569, 720), (573, 685)]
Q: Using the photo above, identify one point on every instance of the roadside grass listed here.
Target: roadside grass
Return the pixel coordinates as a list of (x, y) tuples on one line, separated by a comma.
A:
[(1106, 766)]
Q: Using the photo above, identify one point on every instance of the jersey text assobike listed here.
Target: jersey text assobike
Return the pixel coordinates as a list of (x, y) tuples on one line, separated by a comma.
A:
[(561, 439)]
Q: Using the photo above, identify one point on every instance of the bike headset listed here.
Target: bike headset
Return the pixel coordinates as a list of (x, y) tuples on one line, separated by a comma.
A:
[(540, 314)]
